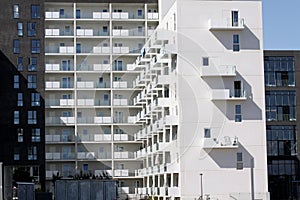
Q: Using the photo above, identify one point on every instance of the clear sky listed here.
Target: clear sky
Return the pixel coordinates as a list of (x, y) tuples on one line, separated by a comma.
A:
[(281, 20)]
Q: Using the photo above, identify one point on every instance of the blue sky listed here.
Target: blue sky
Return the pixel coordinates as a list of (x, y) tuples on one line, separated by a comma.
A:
[(281, 20)]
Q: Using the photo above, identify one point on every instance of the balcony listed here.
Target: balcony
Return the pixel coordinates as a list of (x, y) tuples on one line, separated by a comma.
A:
[(226, 24), (57, 33), (85, 102), (120, 102), (93, 155), (56, 15), (85, 85), (123, 137), (99, 50), (95, 138), (59, 50), (59, 138), (57, 68), (59, 102), (60, 120), (57, 85), (223, 143), (100, 15), (123, 173), (121, 50), (120, 84), (120, 15), (223, 70), (60, 156), (122, 32), (226, 94), (124, 155), (152, 16), (102, 120)]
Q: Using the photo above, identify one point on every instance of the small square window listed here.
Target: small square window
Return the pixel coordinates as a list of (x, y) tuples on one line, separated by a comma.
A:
[(205, 61)]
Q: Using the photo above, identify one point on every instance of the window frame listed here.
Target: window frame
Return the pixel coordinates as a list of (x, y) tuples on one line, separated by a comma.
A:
[(35, 99), (16, 46), (32, 81), (32, 117), (236, 42), (20, 29), (35, 11), (238, 113), (16, 11), (35, 46)]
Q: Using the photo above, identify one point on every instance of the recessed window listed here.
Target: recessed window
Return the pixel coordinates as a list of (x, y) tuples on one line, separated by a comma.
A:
[(32, 153), (16, 81), (16, 117), (20, 99), (35, 11), (32, 117), (20, 28), (31, 81), (20, 134), (16, 154), (236, 43), (20, 64), (16, 44), (205, 61), (36, 135), (140, 12), (239, 160), (16, 11), (35, 46), (35, 99), (238, 113), (207, 133), (32, 63), (31, 29)]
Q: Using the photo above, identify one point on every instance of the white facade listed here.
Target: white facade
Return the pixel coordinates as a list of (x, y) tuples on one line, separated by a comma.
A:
[(190, 102)]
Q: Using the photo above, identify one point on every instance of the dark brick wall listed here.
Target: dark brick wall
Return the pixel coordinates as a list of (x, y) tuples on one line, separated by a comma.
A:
[(8, 95)]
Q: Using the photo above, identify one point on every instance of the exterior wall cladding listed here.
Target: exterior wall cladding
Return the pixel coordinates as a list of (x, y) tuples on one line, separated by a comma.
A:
[(282, 115), (154, 117)]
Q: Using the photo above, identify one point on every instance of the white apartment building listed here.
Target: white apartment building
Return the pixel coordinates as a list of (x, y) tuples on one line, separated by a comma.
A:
[(172, 113)]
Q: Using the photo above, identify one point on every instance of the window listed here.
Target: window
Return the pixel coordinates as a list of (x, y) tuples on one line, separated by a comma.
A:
[(235, 18), (31, 29), (31, 81), (16, 154), (35, 46), (205, 61), (61, 12), (20, 134), (32, 153), (20, 28), (16, 117), (16, 46), (35, 11), (281, 140), (280, 105), (140, 30), (32, 117), (16, 81), (77, 14), (207, 133), (32, 62), (282, 167), (239, 160), (279, 71), (140, 13), (35, 135), (238, 113), (66, 82), (20, 64), (35, 99), (20, 99), (16, 11), (236, 43)]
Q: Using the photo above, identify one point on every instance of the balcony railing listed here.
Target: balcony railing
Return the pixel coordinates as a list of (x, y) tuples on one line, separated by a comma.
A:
[(226, 24), (58, 67), (223, 70), (58, 32), (227, 94), (59, 50), (60, 156), (225, 142), (59, 138), (124, 155), (94, 138), (57, 15), (60, 120)]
